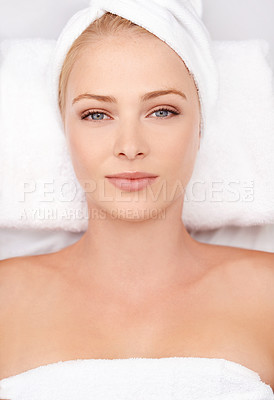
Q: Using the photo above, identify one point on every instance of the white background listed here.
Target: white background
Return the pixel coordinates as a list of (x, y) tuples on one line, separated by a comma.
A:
[(225, 19)]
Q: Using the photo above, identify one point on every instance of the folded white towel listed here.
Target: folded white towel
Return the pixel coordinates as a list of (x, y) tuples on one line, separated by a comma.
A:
[(171, 378), (232, 183), (233, 178)]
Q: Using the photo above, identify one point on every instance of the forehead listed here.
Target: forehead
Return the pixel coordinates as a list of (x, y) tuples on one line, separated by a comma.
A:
[(131, 60)]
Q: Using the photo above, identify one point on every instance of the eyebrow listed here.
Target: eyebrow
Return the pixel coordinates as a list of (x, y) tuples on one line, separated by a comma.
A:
[(145, 97)]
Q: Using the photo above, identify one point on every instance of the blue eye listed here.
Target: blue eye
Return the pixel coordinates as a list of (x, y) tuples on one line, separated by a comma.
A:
[(92, 113), (99, 113), (161, 110)]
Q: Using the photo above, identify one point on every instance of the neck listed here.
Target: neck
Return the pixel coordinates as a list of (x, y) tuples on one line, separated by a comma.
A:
[(138, 256)]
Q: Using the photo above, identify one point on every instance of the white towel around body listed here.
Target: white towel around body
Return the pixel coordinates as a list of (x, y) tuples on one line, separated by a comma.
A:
[(171, 378)]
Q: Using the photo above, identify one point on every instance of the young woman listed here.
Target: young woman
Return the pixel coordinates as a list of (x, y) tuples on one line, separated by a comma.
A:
[(136, 285)]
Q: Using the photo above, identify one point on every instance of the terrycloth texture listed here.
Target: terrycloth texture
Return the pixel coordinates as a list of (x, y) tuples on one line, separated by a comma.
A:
[(174, 378), (176, 22), (232, 183)]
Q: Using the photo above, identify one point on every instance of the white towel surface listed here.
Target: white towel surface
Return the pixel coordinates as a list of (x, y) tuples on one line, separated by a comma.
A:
[(174, 378), (232, 183)]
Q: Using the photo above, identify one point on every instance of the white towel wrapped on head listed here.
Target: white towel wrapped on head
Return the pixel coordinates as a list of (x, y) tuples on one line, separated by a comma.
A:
[(176, 22)]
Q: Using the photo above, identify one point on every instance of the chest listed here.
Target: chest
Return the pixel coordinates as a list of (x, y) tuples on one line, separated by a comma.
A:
[(74, 324)]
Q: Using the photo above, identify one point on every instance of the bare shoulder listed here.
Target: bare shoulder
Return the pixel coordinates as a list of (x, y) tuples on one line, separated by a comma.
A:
[(254, 267), (27, 288), (15, 277), (259, 271), (246, 279), (247, 273), (240, 259), (249, 276), (13, 274), (258, 268), (20, 279), (249, 269), (17, 268)]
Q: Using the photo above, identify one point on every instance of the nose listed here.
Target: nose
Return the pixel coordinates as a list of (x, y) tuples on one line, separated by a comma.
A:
[(130, 142)]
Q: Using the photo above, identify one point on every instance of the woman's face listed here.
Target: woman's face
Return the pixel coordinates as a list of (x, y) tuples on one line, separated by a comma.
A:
[(129, 133)]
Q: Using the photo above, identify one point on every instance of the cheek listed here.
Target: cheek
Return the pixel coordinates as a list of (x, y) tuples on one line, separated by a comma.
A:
[(180, 154), (84, 152)]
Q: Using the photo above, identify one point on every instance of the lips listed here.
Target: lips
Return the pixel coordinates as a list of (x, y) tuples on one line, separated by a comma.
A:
[(132, 181), (132, 175)]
